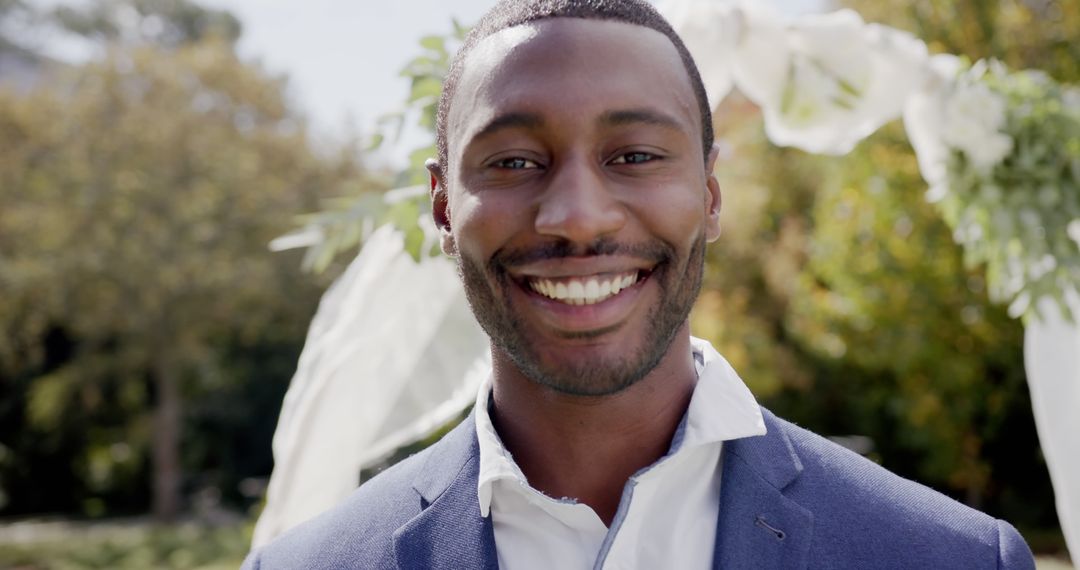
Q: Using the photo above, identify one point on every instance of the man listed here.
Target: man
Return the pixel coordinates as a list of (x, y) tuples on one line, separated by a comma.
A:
[(574, 187)]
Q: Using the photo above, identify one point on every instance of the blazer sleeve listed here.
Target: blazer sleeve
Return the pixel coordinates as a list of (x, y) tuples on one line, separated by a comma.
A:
[(1013, 552)]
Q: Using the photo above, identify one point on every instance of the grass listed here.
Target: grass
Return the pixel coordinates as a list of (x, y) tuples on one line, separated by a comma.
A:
[(135, 544), (138, 544)]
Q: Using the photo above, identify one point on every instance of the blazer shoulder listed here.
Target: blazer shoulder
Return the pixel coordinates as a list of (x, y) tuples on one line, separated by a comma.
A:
[(358, 532), (859, 506)]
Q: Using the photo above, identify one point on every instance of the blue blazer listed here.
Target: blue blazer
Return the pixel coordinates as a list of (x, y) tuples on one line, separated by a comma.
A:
[(788, 499)]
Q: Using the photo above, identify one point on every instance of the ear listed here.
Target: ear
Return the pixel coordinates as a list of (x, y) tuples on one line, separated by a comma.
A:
[(440, 207), (712, 196)]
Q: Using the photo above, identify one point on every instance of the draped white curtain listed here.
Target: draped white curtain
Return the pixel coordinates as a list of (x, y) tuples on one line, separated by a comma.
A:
[(393, 351), (392, 354), (1052, 359)]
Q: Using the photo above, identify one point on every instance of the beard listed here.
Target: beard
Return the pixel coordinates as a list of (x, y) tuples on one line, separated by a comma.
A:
[(487, 289)]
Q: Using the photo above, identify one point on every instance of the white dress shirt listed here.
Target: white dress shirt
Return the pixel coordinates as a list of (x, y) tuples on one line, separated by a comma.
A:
[(668, 512)]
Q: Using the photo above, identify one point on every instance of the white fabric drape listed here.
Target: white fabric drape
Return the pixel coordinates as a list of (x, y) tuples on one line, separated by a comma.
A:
[(392, 354), (1052, 359)]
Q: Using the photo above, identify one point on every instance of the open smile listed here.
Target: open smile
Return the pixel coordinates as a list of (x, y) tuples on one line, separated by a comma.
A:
[(584, 294), (584, 290)]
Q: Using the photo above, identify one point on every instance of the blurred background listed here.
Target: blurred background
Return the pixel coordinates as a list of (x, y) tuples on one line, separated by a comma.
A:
[(150, 150)]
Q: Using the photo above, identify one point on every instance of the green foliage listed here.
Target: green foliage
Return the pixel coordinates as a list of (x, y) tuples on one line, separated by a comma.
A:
[(163, 23), (885, 292), (425, 73), (749, 273), (343, 224), (1021, 33), (1022, 219), (130, 546), (140, 192), (995, 216)]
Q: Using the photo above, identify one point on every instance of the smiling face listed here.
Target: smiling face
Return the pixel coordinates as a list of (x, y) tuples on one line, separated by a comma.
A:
[(577, 201)]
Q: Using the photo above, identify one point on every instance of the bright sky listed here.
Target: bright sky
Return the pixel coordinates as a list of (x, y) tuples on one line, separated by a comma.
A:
[(343, 56)]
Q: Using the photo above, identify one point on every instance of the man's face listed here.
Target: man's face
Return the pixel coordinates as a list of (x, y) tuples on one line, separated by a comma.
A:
[(578, 200)]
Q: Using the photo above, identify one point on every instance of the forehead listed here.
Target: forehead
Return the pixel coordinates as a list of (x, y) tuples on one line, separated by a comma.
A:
[(570, 67)]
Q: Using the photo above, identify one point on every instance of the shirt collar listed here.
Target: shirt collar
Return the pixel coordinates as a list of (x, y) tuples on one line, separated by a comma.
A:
[(721, 409)]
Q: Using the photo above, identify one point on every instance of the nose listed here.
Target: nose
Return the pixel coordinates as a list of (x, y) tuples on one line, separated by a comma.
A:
[(579, 205)]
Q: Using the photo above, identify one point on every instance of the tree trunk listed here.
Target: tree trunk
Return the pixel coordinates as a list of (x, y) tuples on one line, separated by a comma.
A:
[(166, 452)]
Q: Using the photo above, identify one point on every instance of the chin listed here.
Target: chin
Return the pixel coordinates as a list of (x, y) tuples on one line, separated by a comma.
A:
[(599, 368)]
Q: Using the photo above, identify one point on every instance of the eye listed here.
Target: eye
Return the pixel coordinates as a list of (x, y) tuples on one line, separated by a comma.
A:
[(634, 158), (515, 163)]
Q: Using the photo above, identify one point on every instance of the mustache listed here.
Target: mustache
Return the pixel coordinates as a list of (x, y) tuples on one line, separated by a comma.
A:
[(652, 251)]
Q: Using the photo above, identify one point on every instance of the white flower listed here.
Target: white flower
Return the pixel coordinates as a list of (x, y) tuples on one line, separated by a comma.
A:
[(1041, 267), (1073, 229), (710, 31), (1070, 98), (967, 233), (923, 119), (826, 81), (760, 61), (1029, 218), (937, 192), (973, 118), (1020, 305)]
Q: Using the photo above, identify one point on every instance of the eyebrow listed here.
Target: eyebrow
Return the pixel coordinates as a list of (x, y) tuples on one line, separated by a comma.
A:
[(510, 121), (618, 118), (639, 116)]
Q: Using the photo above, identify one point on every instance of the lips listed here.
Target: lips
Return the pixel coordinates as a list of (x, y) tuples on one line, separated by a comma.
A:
[(577, 292), (583, 290)]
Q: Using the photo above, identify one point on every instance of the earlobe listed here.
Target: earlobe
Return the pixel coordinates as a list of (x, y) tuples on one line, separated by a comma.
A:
[(440, 208), (448, 245), (712, 210), (712, 196), (440, 212)]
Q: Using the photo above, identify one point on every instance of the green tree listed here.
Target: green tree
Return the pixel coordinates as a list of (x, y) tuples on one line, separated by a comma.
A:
[(767, 194), (885, 291), (1024, 34), (162, 23), (139, 195)]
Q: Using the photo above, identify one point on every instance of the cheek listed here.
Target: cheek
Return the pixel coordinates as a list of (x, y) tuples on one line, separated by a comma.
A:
[(483, 224), (676, 215)]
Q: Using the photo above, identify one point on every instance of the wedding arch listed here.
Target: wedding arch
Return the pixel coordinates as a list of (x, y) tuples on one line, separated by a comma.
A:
[(393, 352)]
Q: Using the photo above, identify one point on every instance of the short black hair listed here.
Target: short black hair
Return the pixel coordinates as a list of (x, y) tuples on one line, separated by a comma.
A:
[(511, 13)]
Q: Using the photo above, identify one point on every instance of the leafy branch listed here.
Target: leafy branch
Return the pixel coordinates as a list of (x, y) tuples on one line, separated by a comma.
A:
[(346, 222)]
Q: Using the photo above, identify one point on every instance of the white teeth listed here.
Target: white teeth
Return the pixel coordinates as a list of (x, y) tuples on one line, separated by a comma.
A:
[(581, 292), (577, 291), (592, 289)]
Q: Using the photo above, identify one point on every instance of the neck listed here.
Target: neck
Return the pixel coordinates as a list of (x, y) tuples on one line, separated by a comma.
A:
[(586, 447)]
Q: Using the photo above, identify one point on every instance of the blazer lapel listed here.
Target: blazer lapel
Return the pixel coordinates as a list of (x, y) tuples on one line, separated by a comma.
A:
[(758, 526), (449, 532)]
